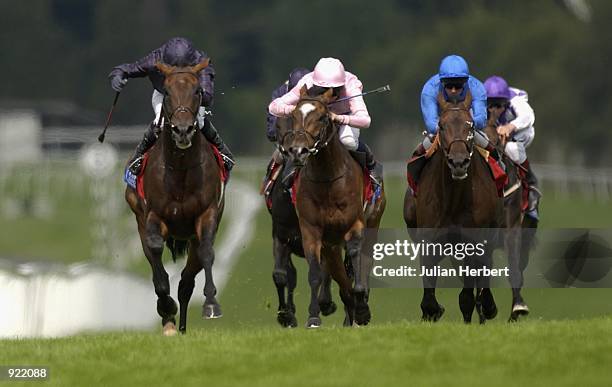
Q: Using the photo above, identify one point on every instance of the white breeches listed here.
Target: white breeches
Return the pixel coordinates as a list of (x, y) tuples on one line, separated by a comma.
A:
[(516, 150), (349, 136)]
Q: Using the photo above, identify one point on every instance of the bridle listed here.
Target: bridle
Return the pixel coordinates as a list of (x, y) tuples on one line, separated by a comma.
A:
[(180, 108), (320, 141), (468, 141)]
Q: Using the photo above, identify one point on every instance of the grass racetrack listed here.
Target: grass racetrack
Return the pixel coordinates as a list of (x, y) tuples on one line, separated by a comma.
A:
[(565, 341), (556, 353)]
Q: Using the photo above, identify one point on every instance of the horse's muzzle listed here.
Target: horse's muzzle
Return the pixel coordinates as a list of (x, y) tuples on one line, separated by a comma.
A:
[(299, 155), (458, 166)]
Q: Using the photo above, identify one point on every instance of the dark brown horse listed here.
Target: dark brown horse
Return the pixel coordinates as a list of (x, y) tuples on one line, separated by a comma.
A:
[(287, 240), (456, 192), (183, 200), (519, 229), (329, 205)]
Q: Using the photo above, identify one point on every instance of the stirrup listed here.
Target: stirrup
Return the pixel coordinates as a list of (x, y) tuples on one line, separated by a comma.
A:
[(227, 161)]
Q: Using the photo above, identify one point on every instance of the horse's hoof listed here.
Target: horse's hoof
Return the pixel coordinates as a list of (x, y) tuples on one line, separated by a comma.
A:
[(169, 329), (519, 309), (434, 316), (313, 322), (286, 319), (362, 315), (328, 308), (489, 309), (211, 311)]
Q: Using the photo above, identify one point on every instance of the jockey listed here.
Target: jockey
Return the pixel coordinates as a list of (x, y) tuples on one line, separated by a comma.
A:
[(175, 52), (294, 78), (351, 115), (515, 124), (453, 81)]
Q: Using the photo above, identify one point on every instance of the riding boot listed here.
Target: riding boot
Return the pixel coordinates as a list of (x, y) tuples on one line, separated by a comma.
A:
[(534, 192), (373, 166), (149, 138), (211, 134)]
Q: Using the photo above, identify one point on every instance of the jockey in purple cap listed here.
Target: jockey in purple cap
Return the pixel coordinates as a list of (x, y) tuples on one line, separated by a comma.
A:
[(178, 52), (515, 125)]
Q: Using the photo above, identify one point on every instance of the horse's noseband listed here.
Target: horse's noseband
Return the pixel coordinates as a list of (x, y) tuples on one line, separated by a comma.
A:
[(319, 143)]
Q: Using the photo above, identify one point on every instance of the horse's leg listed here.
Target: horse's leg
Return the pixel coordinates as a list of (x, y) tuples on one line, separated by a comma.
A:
[(467, 301), (527, 234), (432, 310), (292, 283), (326, 304), (311, 239), (187, 283), (285, 316), (335, 265), (206, 227), (153, 246), (513, 249), (485, 302), (354, 242)]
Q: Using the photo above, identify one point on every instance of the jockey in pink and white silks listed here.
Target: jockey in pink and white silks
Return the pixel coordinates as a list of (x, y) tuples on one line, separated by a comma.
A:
[(516, 126), (351, 115)]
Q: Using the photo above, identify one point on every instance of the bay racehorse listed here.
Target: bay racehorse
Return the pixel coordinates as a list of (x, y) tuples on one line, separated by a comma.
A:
[(519, 229), (183, 198), (329, 204), (456, 191), (287, 240)]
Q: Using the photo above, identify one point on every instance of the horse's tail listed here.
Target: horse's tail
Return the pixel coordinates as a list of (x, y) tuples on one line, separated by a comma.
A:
[(177, 247)]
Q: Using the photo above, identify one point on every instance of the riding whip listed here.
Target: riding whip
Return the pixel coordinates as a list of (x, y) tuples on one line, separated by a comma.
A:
[(379, 90), (108, 119)]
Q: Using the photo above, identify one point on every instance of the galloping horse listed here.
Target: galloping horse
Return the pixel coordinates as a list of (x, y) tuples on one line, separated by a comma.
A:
[(287, 240), (183, 198), (456, 191), (520, 229), (329, 204)]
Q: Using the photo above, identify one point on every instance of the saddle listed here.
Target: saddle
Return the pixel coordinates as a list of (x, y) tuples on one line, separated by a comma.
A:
[(137, 182)]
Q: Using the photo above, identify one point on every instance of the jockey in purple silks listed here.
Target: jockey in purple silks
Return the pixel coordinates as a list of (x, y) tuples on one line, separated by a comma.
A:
[(175, 52), (350, 115), (277, 158), (515, 124)]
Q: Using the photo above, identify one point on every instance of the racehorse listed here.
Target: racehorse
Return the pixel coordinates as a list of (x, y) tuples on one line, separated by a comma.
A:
[(183, 198), (519, 229), (455, 192), (287, 240), (329, 204)]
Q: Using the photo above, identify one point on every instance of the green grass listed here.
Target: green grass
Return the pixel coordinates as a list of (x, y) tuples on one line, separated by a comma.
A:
[(551, 353), (565, 340)]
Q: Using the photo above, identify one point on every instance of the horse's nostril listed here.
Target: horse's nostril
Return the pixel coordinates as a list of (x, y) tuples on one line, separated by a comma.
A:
[(466, 161)]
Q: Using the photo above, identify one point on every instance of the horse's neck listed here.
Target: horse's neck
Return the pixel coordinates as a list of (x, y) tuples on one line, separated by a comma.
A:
[(181, 159), (329, 163)]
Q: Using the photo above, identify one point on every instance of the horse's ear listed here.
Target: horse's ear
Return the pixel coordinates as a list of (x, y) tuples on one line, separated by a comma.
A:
[(328, 95), (303, 91), (201, 66), (441, 101), (467, 102), (164, 68)]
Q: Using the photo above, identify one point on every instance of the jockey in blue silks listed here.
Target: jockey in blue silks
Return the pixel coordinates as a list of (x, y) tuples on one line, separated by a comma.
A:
[(453, 81)]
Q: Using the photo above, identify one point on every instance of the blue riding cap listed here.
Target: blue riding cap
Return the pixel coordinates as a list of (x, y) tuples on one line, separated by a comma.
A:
[(453, 66), (179, 52)]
